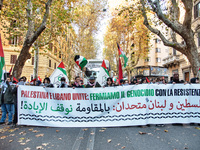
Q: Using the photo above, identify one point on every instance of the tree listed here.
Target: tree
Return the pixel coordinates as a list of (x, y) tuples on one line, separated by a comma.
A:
[(17, 17), (127, 29), (56, 26), (87, 19), (171, 20)]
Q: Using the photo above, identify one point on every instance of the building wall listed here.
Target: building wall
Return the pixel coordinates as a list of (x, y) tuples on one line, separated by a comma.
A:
[(182, 64), (153, 54), (44, 70)]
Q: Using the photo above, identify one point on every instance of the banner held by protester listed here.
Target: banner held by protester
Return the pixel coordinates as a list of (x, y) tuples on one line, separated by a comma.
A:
[(117, 106)]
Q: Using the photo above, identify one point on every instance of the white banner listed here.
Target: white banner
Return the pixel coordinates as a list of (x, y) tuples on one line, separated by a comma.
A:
[(110, 106)]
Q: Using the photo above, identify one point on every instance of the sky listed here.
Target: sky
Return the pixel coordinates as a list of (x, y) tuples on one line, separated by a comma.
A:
[(112, 4)]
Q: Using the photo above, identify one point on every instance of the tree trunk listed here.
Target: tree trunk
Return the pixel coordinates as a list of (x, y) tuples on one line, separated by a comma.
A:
[(36, 59), (24, 55), (193, 58), (31, 37)]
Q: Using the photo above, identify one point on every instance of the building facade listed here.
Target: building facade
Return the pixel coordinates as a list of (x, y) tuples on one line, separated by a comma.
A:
[(152, 66), (177, 62), (48, 59)]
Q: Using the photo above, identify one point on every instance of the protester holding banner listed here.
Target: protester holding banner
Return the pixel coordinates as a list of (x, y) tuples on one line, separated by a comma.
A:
[(63, 83), (194, 80), (153, 81), (144, 81), (77, 83), (109, 82), (7, 102), (38, 83), (133, 81), (121, 82), (92, 83), (175, 78), (47, 83)]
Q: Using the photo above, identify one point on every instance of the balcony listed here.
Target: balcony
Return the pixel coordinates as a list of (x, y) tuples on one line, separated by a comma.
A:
[(171, 60)]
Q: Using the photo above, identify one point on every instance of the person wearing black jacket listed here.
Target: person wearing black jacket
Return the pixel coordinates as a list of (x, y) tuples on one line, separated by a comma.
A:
[(7, 102), (175, 78), (77, 83), (194, 80)]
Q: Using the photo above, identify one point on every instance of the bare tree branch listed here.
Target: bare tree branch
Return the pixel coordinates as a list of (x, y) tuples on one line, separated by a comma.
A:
[(29, 11), (177, 27), (43, 25), (166, 42), (188, 4)]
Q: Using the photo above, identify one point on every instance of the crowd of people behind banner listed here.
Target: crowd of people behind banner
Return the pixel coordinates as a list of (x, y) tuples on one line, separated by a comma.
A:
[(8, 97)]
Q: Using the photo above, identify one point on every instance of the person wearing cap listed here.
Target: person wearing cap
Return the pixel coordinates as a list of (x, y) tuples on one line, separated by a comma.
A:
[(63, 83), (92, 83)]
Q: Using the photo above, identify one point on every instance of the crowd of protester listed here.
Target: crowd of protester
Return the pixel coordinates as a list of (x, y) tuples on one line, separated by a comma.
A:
[(8, 97)]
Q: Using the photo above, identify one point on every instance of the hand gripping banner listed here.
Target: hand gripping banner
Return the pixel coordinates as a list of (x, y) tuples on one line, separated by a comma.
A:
[(110, 106)]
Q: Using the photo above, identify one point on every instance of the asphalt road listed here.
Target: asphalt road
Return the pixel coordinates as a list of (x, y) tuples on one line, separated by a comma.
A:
[(169, 137)]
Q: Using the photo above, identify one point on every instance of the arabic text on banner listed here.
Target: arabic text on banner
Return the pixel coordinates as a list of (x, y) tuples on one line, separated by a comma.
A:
[(112, 106)]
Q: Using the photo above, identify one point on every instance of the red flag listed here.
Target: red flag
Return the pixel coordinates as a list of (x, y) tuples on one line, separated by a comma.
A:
[(104, 64), (120, 71), (33, 80), (147, 80), (14, 79), (10, 70)]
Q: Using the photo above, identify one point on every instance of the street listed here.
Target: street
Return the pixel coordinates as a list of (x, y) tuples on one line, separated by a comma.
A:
[(169, 137)]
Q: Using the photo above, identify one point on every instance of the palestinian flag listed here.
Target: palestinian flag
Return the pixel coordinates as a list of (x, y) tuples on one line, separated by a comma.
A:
[(80, 61), (2, 61), (122, 54), (58, 73), (103, 74)]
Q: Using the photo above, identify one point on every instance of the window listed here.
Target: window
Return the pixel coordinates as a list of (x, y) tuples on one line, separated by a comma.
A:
[(158, 41), (199, 39), (54, 65), (158, 59), (55, 50), (60, 56), (14, 40), (50, 46), (13, 59), (147, 59), (32, 60), (174, 52), (197, 10), (158, 50), (49, 62)]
